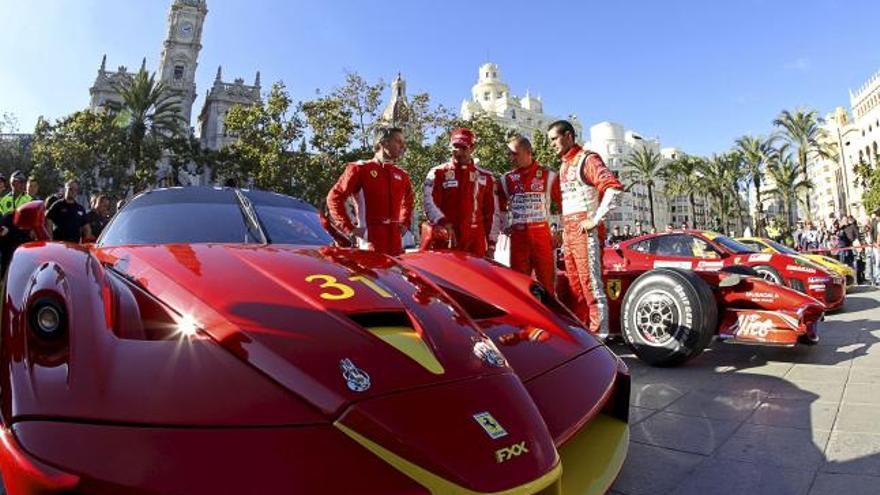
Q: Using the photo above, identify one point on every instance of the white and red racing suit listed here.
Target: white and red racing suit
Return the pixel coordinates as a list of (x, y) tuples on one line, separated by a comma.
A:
[(524, 199), (462, 195), (584, 182), (383, 197)]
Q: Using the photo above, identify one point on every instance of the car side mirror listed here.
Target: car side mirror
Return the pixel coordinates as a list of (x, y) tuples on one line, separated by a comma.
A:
[(31, 216)]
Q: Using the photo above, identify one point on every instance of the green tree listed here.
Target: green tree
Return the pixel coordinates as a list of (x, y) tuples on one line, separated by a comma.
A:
[(718, 179), (802, 131), (544, 151), (149, 114), (86, 146), (15, 151), (755, 152), (682, 178), (331, 130), (788, 183), (363, 102), (643, 167), (264, 151), (8, 122)]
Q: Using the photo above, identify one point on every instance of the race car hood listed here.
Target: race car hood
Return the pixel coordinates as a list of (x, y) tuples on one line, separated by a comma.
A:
[(333, 326)]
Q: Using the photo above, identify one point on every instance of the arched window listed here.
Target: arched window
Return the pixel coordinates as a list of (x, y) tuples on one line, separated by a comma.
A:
[(513, 116)]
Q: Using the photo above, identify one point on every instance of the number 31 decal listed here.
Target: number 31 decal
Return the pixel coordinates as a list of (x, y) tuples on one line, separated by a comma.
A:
[(337, 291)]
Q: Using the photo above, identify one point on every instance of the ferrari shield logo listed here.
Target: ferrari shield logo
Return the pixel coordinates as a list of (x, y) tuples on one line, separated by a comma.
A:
[(492, 427), (450, 174), (613, 288), (539, 173), (374, 174)]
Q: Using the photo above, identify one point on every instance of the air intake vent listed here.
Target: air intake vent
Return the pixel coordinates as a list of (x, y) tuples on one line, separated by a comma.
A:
[(382, 319), (475, 308), (396, 329)]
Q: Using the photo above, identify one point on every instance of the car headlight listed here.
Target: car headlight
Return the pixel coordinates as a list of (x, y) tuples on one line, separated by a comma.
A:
[(47, 318)]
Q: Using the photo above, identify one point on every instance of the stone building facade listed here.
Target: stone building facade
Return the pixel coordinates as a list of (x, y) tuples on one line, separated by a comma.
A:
[(178, 62), (491, 95)]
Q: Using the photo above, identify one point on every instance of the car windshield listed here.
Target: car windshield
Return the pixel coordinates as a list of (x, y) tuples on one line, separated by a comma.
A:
[(208, 215), (734, 246), (782, 248)]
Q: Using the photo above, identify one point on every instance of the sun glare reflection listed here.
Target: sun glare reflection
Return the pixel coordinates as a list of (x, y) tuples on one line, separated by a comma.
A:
[(186, 327)]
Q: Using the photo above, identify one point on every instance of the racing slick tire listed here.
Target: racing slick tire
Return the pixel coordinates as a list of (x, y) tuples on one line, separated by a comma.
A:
[(668, 316), (769, 273)]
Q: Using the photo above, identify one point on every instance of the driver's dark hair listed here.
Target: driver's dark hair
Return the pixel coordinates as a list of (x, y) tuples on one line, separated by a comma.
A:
[(382, 134), (563, 126)]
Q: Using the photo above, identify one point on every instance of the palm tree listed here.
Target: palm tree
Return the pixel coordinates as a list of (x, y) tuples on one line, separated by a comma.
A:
[(682, 179), (755, 153), (788, 183), (643, 167), (719, 176), (149, 112), (801, 129)]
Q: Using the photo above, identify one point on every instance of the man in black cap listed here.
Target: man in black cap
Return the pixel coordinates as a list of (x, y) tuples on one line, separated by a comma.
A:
[(68, 220)]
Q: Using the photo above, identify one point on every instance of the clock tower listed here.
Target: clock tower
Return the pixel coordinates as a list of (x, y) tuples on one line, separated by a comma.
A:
[(180, 51)]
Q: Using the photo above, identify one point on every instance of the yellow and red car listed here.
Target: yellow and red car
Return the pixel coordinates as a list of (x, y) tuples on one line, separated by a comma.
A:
[(826, 262)]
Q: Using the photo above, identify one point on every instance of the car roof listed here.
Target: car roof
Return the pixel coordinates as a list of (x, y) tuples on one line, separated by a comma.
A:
[(208, 194)]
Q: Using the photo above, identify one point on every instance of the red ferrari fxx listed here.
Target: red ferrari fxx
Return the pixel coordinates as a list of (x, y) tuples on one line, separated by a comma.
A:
[(214, 341), (670, 294)]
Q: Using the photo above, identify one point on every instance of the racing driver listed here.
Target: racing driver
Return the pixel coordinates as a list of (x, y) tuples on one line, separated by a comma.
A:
[(459, 197), (525, 195), (382, 193), (588, 192)]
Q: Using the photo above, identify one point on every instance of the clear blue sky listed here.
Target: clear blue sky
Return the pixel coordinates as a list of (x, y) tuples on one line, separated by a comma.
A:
[(696, 74)]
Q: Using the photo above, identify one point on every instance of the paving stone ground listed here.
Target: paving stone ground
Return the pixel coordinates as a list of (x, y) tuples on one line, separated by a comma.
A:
[(758, 420)]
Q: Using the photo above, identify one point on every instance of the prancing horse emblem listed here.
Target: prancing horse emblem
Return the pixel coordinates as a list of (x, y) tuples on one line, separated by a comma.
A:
[(357, 379)]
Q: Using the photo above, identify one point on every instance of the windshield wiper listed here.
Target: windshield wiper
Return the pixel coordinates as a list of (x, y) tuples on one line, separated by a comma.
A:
[(251, 218)]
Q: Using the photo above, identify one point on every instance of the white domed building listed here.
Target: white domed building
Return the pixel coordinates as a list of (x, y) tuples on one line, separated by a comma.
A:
[(491, 95)]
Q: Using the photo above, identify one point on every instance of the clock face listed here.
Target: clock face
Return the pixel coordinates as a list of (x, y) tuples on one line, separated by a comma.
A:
[(186, 29)]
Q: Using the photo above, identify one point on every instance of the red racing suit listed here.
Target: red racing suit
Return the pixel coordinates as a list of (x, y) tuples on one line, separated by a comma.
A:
[(383, 198), (462, 195), (524, 199), (584, 180)]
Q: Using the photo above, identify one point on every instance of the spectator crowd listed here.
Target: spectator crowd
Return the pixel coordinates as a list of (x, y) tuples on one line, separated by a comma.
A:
[(67, 220)]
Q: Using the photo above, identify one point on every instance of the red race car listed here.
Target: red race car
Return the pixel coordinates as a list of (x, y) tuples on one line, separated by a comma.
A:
[(215, 341), (670, 294), (707, 251)]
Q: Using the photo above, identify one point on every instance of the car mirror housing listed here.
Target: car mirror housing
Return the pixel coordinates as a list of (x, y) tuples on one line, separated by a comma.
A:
[(32, 216)]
